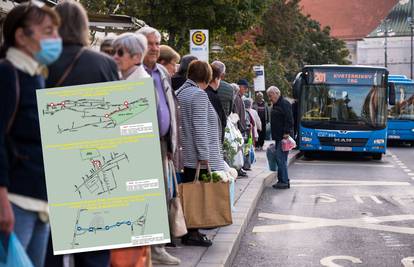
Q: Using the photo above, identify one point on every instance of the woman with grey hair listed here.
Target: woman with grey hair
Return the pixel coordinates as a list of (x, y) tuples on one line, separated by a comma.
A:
[(129, 54)]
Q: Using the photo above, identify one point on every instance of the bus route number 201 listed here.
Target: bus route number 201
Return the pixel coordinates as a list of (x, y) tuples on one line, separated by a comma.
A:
[(319, 77)]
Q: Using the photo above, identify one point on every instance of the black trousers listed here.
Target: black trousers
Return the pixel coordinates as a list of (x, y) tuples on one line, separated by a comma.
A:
[(189, 174), (262, 136), (85, 259)]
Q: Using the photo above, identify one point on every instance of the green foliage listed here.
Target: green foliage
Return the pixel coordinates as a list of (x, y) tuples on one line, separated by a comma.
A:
[(176, 18), (283, 39), (293, 40), (206, 178), (239, 59)]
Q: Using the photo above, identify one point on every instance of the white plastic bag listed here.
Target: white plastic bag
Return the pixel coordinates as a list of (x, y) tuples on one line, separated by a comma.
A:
[(238, 160)]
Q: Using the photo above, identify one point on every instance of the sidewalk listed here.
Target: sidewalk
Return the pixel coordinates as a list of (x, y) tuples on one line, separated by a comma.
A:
[(226, 240)]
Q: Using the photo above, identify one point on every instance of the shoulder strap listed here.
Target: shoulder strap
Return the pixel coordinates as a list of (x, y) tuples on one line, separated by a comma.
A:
[(17, 91), (70, 67)]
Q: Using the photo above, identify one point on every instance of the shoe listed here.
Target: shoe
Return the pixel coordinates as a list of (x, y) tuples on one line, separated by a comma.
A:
[(199, 240), (249, 169), (171, 245), (280, 185), (241, 173), (160, 256)]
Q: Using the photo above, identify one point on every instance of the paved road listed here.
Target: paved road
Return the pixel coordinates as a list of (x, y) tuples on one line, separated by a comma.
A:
[(339, 211)]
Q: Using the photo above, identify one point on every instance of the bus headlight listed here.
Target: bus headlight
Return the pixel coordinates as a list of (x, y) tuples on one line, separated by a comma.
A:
[(379, 141), (306, 139), (412, 130)]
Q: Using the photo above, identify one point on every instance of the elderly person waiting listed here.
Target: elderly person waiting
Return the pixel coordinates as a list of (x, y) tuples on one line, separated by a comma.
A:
[(201, 135), (129, 54)]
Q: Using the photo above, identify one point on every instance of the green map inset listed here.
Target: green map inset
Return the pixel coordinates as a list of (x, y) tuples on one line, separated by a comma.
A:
[(101, 178), (96, 223), (103, 167), (95, 112)]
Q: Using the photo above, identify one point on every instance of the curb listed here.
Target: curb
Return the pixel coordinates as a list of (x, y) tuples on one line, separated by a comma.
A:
[(227, 239)]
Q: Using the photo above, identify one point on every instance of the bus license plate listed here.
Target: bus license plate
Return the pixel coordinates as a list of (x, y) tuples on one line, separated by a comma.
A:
[(393, 137), (343, 148)]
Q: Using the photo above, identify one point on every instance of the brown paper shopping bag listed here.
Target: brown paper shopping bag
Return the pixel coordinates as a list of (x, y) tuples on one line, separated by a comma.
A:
[(205, 205)]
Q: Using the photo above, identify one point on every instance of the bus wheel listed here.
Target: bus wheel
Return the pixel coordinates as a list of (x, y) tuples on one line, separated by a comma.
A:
[(377, 156), (308, 154)]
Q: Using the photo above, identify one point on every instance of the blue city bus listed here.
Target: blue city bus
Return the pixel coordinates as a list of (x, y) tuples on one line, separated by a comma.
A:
[(397, 77), (342, 108), (401, 115)]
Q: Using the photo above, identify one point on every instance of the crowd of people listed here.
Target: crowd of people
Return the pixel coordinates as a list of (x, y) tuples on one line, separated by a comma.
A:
[(45, 48)]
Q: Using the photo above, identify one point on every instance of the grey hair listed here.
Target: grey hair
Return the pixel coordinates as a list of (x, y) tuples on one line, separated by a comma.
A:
[(134, 43), (273, 89), (248, 102), (147, 30), (259, 94), (220, 65)]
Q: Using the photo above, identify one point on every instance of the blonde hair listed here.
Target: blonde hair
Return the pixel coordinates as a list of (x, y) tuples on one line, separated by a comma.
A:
[(168, 54)]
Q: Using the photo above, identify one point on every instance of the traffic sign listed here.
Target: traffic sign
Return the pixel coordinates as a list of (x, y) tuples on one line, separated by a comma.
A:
[(199, 44)]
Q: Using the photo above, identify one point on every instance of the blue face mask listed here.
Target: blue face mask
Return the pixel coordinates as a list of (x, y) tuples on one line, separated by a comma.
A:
[(50, 50)]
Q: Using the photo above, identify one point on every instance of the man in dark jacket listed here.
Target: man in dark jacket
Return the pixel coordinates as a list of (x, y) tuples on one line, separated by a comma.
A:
[(215, 101), (262, 109), (282, 127), (225, 91), (238, 105)]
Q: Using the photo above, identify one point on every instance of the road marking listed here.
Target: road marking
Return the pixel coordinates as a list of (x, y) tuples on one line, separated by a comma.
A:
[(407, 170), (328, 182), (411, 173), (358, 198), (324, 198), (404, 167), (342, 164), (329, 261), (302, 223), (402, 200), (408, 262), (343, 181)]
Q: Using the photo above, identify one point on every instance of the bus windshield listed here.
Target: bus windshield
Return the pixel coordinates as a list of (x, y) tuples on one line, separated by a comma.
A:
[(343, 106), (404, 103)]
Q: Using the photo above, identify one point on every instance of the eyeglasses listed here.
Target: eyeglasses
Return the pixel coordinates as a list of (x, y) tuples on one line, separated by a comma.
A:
[(120, 52)]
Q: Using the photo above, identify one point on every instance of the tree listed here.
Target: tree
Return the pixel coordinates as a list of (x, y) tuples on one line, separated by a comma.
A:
[(175, 18), (240, 59), (293, 40)]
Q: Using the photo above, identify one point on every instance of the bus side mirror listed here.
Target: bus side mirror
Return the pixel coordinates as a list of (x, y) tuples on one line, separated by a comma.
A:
[(391, 94), (297, 84)]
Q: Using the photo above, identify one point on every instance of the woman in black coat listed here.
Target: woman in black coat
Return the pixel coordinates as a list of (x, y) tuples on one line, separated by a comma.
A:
[(79, 65)]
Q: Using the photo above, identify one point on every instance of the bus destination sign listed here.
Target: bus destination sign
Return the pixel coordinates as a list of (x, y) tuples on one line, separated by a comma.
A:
[(345, 77)]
